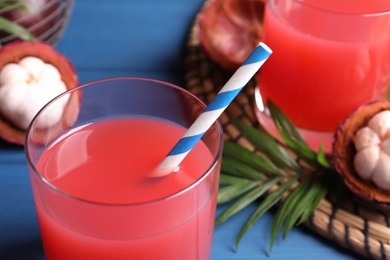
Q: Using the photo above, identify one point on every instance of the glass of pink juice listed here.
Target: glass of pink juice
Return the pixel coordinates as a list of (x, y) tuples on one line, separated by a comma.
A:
[(90, 174), (328, 58)]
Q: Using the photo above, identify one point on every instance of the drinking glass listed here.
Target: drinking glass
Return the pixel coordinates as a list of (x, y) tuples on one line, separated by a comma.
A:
[(329, 57), (91, 202)]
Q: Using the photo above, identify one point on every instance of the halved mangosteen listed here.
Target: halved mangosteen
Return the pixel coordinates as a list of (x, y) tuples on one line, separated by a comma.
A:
[(360, 151), (31, 74), (230, 29)]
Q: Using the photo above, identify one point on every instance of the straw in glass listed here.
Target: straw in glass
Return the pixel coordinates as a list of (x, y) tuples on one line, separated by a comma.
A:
[(224, 97)]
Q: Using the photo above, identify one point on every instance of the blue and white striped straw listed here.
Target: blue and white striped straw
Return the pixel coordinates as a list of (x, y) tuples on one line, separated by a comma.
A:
[(224, 97)]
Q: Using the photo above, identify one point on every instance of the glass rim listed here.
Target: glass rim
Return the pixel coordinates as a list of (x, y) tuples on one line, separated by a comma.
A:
[(313, 6), (60, 192)]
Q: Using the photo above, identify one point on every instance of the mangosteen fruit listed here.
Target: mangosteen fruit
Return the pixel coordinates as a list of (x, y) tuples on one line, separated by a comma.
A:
[(361, 152), (230, 29), (31, 74)]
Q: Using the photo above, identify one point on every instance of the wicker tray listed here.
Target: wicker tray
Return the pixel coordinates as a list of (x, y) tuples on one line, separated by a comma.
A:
[(353, 226)]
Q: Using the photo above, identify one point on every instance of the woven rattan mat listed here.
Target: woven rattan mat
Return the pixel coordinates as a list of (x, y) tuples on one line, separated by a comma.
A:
[(353, 226)]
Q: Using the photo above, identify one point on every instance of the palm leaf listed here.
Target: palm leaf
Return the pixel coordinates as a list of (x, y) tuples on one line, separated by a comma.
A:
[(13, 4), (268, 202), (285, 211), (281, 119), (245, 200), (294, 140), (229, 179), (236, 151), (264, 143), (316, 194), (299, 208), (15, 29), (240, 169), (270, 159), (321, 157), (228, 193)]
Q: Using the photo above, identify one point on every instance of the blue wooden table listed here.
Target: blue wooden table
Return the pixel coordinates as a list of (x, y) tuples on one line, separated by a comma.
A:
[(144, 38)]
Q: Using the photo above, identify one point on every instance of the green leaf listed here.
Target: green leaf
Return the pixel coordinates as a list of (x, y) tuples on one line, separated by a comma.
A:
[(15, 29), (229, 179), (267, 203), (5, 4), (274, 157), (240, 169), (308, 202), (304, 195), (236, 151), (281, 119), (321, 157), (13, 5), (285, 209), (320, 190), (245, 200), (264, 143), (300, 149), (228, 193), (294, 140)]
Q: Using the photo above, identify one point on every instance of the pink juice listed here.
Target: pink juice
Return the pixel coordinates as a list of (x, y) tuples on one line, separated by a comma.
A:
[(112, 209), (325, 65)]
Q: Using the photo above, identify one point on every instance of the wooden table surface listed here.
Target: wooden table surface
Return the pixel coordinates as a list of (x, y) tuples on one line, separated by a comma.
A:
[(143, 38)]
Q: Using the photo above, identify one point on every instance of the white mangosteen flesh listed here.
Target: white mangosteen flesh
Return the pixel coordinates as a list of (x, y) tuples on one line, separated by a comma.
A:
[(25, 87), (372, 143)]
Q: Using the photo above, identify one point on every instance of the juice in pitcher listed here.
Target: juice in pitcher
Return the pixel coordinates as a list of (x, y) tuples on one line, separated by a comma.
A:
[(329, 58)]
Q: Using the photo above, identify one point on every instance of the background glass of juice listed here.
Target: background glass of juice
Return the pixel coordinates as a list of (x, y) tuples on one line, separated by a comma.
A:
[(328, 58), (90, 174)]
